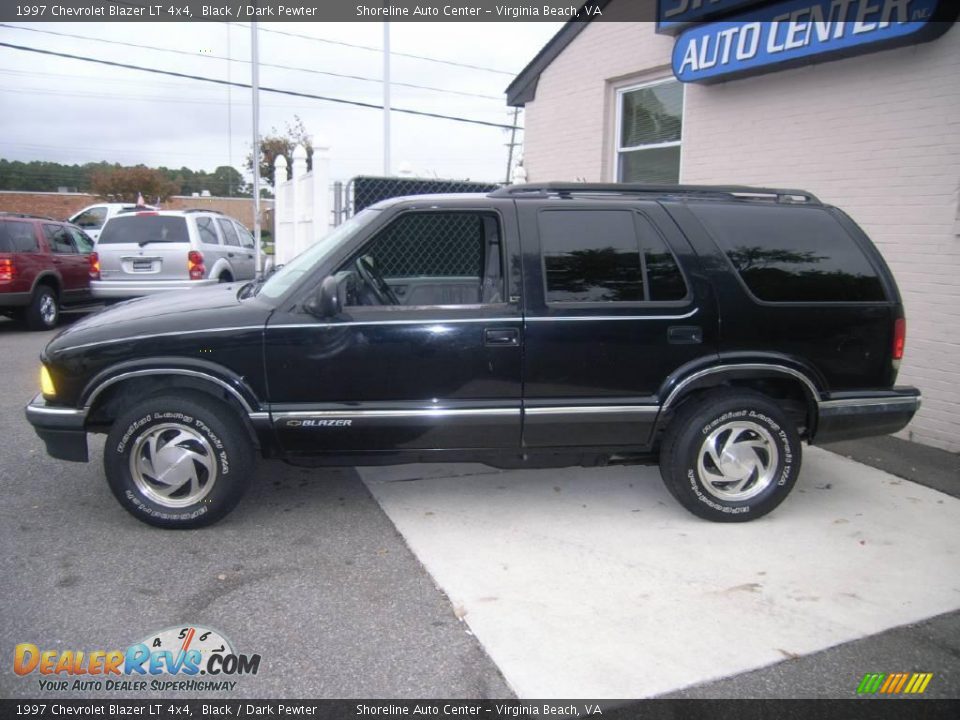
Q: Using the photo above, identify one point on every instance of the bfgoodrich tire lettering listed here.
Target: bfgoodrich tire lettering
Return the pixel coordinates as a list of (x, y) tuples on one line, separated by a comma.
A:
[(730, 456), (177, 462)]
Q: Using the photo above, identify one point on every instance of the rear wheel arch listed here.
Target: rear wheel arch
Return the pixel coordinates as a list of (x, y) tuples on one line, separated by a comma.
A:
[(794, 389), (51, 280), (220, 267)]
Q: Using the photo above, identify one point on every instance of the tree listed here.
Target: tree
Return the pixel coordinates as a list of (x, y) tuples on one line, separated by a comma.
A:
[(125, 183), (226, 181), (276, 144)]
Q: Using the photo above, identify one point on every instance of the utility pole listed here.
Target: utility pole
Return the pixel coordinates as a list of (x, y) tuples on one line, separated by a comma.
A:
[(386, 99), (513, 143), (229, 115), (255, 85)]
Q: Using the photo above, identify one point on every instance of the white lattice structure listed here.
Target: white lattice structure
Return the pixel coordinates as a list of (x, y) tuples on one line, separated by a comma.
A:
[(302, 205)]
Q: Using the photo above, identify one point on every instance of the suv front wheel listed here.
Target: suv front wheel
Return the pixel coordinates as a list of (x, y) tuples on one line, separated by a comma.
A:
[(730, 456), (178, 462)]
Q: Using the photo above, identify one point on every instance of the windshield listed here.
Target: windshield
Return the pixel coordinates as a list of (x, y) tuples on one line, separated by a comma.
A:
[(143, 229), (285, 277)]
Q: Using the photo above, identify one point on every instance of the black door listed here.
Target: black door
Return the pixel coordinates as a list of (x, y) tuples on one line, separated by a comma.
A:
[(426, 353), (611, 315)]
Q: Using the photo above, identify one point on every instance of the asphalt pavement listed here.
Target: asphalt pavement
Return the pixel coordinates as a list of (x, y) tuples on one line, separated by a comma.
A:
[(307, 571)]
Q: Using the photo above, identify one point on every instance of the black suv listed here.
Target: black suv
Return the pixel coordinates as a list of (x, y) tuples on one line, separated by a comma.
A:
[(711, 329)]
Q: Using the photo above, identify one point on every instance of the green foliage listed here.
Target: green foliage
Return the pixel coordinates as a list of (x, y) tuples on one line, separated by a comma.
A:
[(276, 144), (126, 183), (39, 176)]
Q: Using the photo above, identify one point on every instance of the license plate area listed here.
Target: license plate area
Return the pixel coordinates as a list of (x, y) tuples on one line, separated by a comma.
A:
[(142, 264)]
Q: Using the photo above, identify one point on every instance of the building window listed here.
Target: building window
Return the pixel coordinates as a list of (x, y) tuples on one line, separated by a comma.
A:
[(649, 121)]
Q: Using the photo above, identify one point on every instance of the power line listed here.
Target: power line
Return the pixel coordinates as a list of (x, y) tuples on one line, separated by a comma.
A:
[(279, 91), (377, 50), (295, 68)]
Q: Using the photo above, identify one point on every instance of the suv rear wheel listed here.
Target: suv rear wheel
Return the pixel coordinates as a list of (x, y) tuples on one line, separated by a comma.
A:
[(43, 312), (730, 456), (177, 462)]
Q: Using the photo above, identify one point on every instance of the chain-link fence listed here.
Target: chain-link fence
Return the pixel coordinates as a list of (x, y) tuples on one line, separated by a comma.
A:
[(365, 190), (433, 244)]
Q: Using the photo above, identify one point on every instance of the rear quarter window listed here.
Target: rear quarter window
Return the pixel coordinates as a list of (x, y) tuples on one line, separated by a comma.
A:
[(145, 229), (17, 237), (796, 254)]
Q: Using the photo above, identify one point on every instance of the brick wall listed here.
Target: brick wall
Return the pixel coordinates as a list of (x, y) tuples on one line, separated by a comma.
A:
[(877, 135), (60, 206)]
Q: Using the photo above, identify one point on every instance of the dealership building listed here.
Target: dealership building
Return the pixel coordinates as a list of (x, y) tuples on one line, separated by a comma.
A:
[(857, 101)]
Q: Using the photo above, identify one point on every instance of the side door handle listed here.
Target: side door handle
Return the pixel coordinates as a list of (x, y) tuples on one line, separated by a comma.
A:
[(684, 335), (503, 337)]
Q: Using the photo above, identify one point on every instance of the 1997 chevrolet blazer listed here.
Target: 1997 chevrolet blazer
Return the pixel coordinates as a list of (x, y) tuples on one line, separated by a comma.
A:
[(712, 329)]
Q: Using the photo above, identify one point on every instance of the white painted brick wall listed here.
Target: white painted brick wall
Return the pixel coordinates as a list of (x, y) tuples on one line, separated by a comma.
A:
[(877, 135)]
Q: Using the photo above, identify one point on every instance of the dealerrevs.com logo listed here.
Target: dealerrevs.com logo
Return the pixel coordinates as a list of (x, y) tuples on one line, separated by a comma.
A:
[(187, 658)]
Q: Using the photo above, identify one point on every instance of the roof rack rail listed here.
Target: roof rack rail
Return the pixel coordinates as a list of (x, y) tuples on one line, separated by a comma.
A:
[(27, 216), (733, 192), (208, 210), (136, 209)]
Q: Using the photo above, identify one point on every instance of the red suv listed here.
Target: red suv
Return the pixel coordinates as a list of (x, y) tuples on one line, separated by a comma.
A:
[(44, 264)]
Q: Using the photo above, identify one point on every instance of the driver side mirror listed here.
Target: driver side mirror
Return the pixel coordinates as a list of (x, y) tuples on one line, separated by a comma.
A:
[(325, 303)]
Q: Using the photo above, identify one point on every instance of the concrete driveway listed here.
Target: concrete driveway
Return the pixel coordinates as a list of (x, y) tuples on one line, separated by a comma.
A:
[(595, 583)]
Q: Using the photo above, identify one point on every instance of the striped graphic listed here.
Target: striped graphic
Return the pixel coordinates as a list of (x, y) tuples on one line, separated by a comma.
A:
[(894, 683)]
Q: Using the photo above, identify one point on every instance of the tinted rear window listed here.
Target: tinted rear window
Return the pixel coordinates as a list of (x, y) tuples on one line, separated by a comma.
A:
[(17, 236), (145, 229), (604, 255), (792, 254)]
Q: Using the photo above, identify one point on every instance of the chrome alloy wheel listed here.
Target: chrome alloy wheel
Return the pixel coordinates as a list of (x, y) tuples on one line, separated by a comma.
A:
[(738, 460), (48, 309), (173, 465)]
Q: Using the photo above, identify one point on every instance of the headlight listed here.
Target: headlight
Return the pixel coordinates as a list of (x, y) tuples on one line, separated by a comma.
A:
[(46, 383)]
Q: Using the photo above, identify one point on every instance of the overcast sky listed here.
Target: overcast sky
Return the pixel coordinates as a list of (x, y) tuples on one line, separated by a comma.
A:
[(70, 111)]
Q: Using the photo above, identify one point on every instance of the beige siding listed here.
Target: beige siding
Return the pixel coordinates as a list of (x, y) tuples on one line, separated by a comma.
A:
[(877, 135), (566, 134)]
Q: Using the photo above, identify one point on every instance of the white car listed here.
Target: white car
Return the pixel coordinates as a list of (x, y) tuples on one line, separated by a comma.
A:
[(93, 217), (153, 251)]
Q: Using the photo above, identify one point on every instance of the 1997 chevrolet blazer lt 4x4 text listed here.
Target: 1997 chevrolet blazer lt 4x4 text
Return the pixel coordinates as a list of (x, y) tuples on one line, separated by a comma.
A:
[(710, 328)]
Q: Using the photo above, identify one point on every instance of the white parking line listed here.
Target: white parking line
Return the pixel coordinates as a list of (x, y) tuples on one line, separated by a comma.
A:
[(596, 583)]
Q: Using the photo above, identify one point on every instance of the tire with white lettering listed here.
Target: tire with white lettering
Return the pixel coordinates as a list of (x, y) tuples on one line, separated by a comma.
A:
[(730, 455), (178, 462)]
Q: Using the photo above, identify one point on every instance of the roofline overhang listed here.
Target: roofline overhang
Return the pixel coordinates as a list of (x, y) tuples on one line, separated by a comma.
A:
[(523, 89)]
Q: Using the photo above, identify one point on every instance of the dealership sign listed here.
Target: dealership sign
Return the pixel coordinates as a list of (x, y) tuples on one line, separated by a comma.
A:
[(675, 15), (799, 32)]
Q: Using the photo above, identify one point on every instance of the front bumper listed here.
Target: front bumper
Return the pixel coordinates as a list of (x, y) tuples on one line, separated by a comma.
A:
[(61, 429), (121, 289), (846, 416)]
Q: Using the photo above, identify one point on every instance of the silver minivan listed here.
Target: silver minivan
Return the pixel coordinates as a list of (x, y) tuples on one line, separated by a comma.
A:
[(144, 253)]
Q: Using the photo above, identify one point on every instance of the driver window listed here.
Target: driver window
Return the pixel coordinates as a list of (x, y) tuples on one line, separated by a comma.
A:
[(430, 258)]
